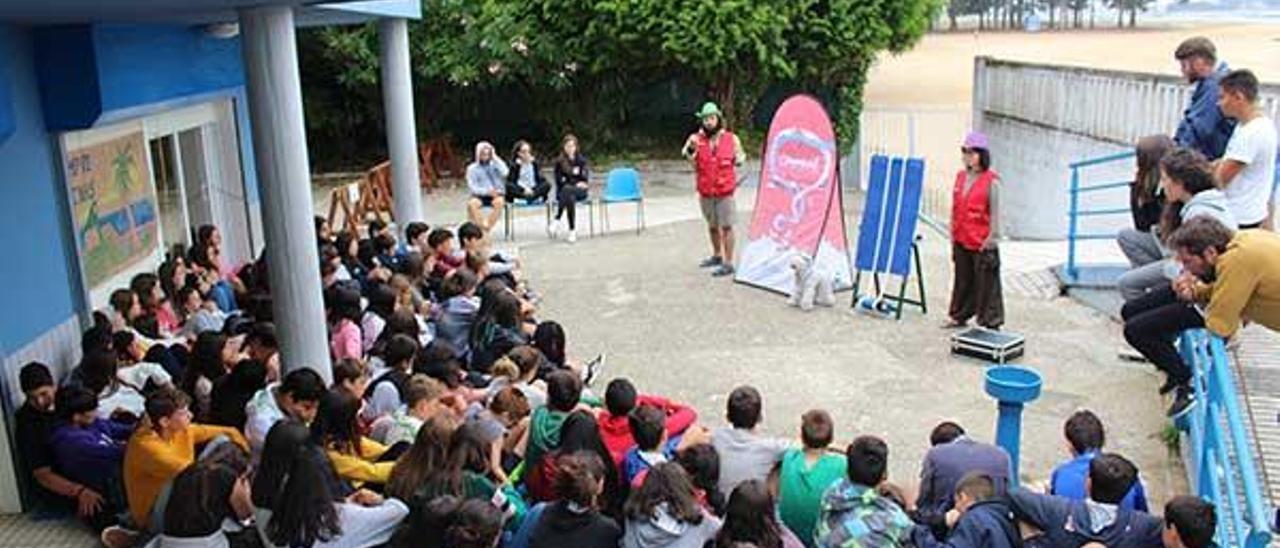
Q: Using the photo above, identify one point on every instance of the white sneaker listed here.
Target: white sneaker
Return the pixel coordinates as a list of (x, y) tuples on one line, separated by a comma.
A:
[(556, 228), (573, 235)]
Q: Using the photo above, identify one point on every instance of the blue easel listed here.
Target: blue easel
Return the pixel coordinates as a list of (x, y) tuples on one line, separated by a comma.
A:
[(887, 234)]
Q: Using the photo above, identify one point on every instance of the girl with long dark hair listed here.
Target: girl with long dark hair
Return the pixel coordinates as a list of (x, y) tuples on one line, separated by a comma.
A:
[(549, 337), (525, 180), (212, 356), (297, 501), (336, 428), (751, 518), (345, 339), (574, 519), (664, 512), (572, 176), (1146, 202), (497, 327), (468, 471)]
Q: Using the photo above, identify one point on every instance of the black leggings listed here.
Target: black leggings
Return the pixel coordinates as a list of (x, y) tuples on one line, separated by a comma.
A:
[(567, 200), (1152, 323)]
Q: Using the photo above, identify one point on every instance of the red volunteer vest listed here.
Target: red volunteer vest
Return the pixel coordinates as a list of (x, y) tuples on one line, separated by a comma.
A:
[(713, 167), (971, 213)]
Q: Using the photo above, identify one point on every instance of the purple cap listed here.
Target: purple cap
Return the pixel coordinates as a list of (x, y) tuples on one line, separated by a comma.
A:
[(975, 139)]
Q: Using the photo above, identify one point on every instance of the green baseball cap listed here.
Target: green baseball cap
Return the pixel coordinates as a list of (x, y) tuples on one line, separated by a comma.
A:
[(709, 108)]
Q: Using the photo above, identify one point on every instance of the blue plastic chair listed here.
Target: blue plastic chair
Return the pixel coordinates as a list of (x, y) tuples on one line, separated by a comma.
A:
[(509, 212), (622, 186)]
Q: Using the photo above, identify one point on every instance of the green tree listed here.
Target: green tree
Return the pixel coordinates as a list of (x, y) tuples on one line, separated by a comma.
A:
[(577, 62)]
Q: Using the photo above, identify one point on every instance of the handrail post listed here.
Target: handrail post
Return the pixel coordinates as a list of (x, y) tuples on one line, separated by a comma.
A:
[(1071, 223)]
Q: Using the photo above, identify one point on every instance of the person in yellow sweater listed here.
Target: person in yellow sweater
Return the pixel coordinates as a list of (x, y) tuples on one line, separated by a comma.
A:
[(355, 458), (163, 445), (1236, 275)]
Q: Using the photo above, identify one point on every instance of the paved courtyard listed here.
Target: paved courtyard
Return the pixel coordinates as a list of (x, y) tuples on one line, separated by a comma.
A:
[(676, 331)]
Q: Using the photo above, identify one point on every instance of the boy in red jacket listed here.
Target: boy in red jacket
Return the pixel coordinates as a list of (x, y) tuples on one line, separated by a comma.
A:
[(620, 398)]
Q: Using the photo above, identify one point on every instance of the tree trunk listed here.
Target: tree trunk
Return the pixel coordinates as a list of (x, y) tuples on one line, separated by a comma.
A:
[(1051, 8), (1133, 17), (953, 21)]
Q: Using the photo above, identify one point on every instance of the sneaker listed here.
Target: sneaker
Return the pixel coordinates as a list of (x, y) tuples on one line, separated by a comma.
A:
[(1183, 399), (710, 262), (591, 369), (556, 228), (116, 536), (722, 270), (573, 235)]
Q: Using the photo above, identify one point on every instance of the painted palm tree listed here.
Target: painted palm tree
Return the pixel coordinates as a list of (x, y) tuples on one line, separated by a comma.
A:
[(91, 222), (123, 163)]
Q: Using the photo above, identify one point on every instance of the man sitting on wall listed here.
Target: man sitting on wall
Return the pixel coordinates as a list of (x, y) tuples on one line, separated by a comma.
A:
[(1236, 275)]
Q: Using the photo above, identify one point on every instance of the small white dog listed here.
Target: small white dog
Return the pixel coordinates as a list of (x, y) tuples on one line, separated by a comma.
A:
[(813, 284)]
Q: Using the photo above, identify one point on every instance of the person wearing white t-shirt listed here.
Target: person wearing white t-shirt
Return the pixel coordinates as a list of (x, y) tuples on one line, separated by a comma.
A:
[(1247, 170)]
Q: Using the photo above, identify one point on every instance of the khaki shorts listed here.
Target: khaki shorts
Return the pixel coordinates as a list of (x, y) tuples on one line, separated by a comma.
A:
[(718, 212)]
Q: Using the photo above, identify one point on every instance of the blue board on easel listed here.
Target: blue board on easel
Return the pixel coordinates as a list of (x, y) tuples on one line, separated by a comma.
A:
[(889, 215)]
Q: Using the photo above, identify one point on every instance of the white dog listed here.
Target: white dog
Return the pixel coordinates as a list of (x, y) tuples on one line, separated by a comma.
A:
[(813, 284)]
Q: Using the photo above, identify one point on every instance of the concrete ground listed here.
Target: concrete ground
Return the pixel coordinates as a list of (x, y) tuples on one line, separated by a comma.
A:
[(678, 332)]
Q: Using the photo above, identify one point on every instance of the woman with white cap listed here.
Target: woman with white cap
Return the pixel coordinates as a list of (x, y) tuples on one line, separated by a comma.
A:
[(975, 231)]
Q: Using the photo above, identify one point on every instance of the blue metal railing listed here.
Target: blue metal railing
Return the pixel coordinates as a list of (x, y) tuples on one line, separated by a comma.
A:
[(1074, 213), (1221, 468)]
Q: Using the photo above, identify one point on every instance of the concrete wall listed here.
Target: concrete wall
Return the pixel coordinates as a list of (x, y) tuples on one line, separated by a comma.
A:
[(1040, 118)]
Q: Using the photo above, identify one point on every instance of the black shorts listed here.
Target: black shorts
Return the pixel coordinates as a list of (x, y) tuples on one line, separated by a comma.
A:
[(485, 201)]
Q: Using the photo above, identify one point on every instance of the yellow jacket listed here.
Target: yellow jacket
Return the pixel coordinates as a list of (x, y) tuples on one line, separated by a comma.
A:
[(151, 461), (1247, 284), (362, 468)]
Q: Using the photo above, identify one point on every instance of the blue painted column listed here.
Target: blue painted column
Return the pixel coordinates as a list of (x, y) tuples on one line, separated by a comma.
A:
[(284, 183)]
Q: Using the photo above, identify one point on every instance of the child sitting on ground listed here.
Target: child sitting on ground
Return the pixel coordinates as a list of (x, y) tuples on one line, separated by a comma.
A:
[(620, 398), (653, 446), (441, 242), (807, 473), (423, 399), (980, 518)]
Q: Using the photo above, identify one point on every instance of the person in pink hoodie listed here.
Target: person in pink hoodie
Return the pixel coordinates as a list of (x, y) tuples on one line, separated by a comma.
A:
[(620, 398)]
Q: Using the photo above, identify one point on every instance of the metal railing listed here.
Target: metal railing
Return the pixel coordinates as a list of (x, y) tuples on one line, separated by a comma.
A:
[(1074, 213), (1221, 467)]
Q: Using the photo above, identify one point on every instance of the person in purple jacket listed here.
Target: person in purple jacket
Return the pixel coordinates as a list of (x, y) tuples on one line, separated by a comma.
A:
[(952, 456), (89, 450)]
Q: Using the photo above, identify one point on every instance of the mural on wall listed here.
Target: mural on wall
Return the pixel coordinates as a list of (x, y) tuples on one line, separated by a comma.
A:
[(113, 205)]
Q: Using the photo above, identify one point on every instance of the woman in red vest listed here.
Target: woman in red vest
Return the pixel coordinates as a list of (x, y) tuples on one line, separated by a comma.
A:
[(715, 153), (975, 229)]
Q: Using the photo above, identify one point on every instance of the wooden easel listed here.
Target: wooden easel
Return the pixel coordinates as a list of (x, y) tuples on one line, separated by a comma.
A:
[(356, 201), (436, 158)]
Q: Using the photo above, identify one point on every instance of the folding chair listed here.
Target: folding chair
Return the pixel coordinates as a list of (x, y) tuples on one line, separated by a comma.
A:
[(622, 186)]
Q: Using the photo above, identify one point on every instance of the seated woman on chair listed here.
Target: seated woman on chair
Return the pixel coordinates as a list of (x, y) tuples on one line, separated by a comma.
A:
[(525, 180), (486, 179), (571, 183)]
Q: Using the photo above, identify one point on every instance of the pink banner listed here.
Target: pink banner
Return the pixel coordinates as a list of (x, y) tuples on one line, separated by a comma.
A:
[(798, 206)]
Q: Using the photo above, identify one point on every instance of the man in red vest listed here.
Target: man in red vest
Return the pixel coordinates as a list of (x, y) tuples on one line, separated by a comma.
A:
[(715, 153), (975, 229)]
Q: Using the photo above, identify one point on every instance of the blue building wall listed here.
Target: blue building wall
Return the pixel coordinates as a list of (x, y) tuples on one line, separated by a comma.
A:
[(38, 288)]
